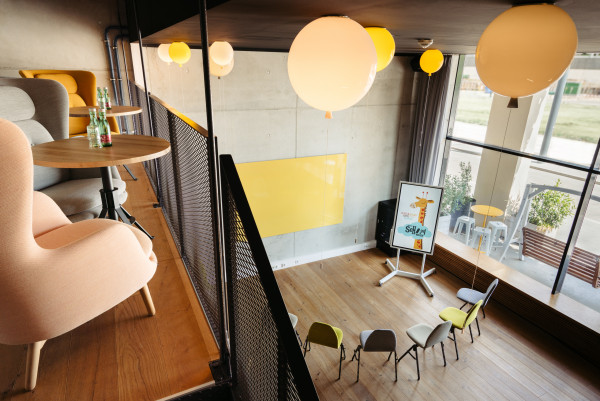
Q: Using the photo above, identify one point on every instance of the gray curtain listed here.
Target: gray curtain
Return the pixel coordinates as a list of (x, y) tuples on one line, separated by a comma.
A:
[(428, 130)]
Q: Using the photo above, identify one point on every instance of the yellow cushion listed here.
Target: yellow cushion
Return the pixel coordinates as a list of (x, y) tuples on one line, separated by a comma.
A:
[(325, 334), (68, 81), (456, 316), (75, 100), (78, 125)]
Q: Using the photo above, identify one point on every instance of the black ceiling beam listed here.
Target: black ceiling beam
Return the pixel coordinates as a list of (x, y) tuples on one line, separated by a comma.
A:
[(156, 15)]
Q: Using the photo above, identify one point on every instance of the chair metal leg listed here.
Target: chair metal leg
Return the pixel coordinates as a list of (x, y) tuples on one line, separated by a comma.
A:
[(455, 345), (357, 357), (478, 329), (390, 355), (417, 359), (299, 339), (306, 344), (443, 354), (342, 357), (483, 310), (463, 305), (471, 332), (395, 365)]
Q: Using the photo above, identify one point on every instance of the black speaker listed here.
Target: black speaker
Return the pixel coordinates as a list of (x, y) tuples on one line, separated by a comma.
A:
[(385, 220)]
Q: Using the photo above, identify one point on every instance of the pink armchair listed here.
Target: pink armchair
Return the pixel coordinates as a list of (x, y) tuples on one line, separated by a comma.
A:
[(56, 275)]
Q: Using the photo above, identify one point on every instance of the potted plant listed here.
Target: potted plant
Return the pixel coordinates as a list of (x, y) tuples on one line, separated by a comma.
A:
[(457, 194), (549, 209)]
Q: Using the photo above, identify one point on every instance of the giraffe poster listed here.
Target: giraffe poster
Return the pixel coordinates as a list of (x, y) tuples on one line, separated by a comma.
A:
[(417, 212)]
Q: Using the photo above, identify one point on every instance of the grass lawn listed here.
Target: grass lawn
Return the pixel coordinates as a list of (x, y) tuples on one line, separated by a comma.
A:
[(576, 121)]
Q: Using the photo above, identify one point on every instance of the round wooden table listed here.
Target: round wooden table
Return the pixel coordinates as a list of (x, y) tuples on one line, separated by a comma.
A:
[(115, 111), (76, 153)]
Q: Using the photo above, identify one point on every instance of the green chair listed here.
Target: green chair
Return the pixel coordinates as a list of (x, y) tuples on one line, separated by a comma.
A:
[(328, 336), (460, 320)]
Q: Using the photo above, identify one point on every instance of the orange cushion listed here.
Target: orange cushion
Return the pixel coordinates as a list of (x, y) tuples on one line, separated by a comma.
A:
[(68, 81), (76, 101), (78, 125)]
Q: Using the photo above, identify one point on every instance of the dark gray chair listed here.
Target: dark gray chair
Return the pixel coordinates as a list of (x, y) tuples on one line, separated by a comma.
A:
[(425, 336), (40, 108), (470, 296), (376, 341)]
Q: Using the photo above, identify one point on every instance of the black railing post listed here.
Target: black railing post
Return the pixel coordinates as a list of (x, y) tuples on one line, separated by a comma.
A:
[(584, 201), (214, 173), (176, 181), (146, 92)]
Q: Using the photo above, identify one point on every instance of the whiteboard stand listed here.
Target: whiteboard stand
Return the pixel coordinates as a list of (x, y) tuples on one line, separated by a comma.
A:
[(417, 276)]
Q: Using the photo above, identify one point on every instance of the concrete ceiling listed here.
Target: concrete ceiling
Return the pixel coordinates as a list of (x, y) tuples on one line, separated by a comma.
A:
[(454, 25)]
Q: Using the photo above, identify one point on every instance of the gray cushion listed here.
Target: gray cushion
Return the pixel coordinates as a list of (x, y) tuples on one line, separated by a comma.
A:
[(419, 334), (16, 105), (36, 133), (76, 196), (293, 319), (469, 295)]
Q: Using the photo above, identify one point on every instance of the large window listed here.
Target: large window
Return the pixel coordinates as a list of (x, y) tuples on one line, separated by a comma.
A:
[(533, 166)]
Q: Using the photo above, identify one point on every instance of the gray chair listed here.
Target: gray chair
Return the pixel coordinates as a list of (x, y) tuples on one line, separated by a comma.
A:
[(470, 296), (40, 108), (294, 321), (425, 336), (381, 340)]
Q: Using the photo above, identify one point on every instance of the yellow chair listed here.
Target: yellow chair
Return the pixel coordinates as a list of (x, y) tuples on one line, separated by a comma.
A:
[(81, 87), (460, 320), (327, 335)]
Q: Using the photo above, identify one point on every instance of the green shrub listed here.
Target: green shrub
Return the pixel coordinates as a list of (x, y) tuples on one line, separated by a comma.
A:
[(550, 208), (457, 189)]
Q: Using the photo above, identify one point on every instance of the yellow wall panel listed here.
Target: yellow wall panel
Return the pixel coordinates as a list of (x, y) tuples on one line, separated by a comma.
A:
[(295, 194)]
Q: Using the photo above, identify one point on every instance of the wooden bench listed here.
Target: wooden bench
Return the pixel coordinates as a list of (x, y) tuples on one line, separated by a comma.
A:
[(584, 265)]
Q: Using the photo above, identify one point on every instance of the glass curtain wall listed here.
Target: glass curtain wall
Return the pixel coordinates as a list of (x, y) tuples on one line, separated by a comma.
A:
[(530, 166)]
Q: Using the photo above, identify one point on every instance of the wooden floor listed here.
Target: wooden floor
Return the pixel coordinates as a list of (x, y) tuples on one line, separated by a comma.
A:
[(122, 354), (511, 360)]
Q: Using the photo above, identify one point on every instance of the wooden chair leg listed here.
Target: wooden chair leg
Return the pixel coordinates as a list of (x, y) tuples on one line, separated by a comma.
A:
[(33, 362), (145, 292)]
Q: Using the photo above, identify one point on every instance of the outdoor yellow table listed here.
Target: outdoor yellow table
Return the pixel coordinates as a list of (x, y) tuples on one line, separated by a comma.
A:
[(486, 211)]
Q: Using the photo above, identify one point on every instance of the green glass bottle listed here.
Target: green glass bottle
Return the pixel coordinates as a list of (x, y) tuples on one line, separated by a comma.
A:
[(100, 97), (105, 136), (93, 131), (107, 99)]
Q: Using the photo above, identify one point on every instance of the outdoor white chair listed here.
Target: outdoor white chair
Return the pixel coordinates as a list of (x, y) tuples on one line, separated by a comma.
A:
[(485, 234), (464, 222), (498, 229)]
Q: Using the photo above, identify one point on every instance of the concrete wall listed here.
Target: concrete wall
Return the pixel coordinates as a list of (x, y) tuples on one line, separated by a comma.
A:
[(55, 34), (258, 116)]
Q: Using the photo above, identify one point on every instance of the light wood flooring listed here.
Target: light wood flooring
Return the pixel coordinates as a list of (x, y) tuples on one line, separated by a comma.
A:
[(511, 360), (122, 354)]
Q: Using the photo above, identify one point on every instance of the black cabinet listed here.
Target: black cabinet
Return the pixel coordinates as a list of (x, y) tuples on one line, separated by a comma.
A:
[(385, 221)]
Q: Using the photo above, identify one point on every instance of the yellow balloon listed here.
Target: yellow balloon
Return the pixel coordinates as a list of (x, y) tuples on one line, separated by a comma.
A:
[(384, 45), (525, 49), (431, 61), (180, 52)]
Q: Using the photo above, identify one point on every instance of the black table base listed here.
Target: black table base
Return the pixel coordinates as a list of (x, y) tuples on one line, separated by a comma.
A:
[(111, 208)]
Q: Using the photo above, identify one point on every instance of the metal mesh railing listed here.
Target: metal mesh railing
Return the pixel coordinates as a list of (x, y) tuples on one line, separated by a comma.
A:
[(266, 359), (263, 352), (182, 181)]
